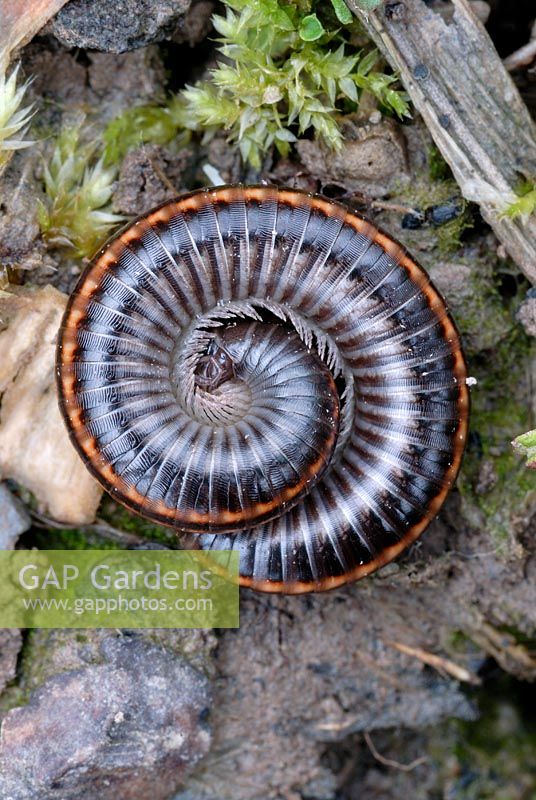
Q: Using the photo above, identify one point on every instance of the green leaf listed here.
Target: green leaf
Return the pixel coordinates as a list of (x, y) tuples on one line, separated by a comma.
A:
[(342, 12), (284, 135), (349, 88), (526, 445), (366, 63), (311, 28), (525, 205)]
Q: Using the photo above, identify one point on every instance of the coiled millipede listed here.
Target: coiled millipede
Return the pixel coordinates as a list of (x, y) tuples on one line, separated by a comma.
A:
[(267, 371)]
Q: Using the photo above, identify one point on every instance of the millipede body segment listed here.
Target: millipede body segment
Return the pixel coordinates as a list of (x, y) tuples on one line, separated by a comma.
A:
[(267, 371)]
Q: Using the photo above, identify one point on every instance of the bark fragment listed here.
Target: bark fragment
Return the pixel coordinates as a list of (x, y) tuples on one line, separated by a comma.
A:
[(471, 106)]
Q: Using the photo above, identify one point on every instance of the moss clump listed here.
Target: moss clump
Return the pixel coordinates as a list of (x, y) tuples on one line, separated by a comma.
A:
[(123, 519), (76, 214), (525, 205), (287, 71), (514, 491), (438, 169), (161, 125), (526, 445), (70, 539), (449, 236), (288, 68)]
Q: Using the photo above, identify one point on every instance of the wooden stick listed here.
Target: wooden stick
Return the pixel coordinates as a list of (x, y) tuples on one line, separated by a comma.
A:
[(471, 106)]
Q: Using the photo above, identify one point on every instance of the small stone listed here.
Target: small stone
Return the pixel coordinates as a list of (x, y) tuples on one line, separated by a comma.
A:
[(131, 726), (444, 213), (14, 519), (375, 118), (116, 27), (413, 220)]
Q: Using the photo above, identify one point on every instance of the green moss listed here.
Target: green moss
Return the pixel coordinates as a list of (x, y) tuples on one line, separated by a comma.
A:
[(494, 404), (512, 492), (526, 445), (520, 638), (160, 125), (499, 410), (14, 117), (458, 643), (449, 236), (18, 692), (342, 12), (525, 205), (76, 213), (48, 652), (13, 697), (478, 308), (495, 754), (288, 69), (125, 520), (70, 539), (438, 169), (425, 192), (368, 5)]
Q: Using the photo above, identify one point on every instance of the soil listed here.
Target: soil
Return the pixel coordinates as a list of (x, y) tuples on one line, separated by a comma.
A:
[(415, 682)]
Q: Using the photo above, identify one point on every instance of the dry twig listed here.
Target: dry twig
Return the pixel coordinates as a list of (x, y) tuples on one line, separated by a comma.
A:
[(442, 665), (511, 655), (471, 106)]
